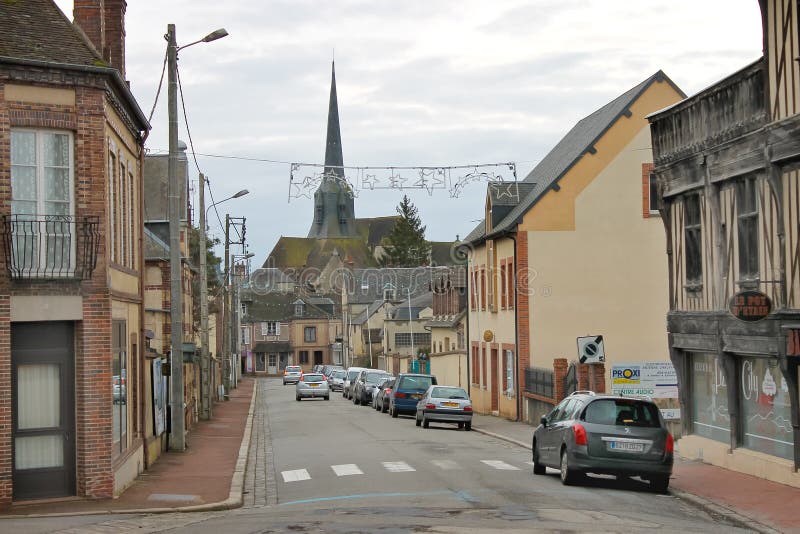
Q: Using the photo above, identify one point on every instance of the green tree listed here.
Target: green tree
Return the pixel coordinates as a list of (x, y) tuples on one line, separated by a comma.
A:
[(213, 263), (406, 245)]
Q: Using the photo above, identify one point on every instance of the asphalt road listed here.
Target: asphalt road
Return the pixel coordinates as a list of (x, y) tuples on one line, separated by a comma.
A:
[(331, 466)]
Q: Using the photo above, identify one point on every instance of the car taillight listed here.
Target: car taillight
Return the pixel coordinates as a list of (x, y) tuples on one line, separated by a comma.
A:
[(399, 395), (467, 408), (387, 391), (580, 434), (669, 448), (430, 406)]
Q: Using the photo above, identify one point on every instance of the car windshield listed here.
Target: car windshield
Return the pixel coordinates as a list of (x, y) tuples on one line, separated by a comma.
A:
[(622, 412), (375, 378), (312, 378), (292, 369), (338, 374), (449, 393), (352, 374), (420, 383)]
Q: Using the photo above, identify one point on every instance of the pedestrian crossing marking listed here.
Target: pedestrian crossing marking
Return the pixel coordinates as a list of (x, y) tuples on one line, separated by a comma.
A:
[(346, 469), (445, 464), (499, 464), (295, 476), (397, 467)]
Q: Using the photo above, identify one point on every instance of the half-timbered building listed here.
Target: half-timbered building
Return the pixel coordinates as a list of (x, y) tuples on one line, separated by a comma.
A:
[(726, 167)]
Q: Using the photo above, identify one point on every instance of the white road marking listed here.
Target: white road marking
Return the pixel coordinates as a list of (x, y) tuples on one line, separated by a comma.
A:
[(296, 475), (445, 464), (499, 464), (397, 467), (346, 469)]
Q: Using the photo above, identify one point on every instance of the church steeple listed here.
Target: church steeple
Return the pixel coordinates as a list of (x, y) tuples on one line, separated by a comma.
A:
[(334, 210)]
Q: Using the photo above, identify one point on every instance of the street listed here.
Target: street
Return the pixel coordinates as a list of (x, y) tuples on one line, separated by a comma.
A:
[(332, 466)]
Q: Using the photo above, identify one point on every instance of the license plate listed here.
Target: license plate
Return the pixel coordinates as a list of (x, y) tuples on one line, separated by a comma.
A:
[(416, 396), (450, 404), (625, 446), (314, 385)]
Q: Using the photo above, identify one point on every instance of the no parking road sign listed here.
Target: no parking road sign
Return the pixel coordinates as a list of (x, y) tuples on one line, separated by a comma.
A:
[(590, 349)]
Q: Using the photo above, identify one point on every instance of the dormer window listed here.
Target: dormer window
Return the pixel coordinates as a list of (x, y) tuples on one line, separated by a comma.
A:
[(389, 292), (299, 306)]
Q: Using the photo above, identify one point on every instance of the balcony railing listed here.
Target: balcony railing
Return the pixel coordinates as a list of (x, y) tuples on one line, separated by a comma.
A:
[(724, 111), (49, 246), (539, 381)]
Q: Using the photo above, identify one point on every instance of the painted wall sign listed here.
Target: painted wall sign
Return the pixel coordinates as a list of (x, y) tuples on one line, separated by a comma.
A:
[(750, 305)]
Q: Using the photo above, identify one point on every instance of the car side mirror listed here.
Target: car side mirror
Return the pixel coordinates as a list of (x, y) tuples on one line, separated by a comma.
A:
[(543, 420)]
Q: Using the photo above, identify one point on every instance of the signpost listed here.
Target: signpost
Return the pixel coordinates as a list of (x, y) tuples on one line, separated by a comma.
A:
[(750, 306)]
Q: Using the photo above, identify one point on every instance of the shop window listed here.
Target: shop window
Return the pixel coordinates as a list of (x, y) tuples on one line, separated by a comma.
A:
[(119, 386), (765, 406), (710, 417)]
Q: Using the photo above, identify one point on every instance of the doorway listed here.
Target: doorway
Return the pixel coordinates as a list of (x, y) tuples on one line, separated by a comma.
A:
[(272, 367), (317, 357), (494, 370), (43, 409)]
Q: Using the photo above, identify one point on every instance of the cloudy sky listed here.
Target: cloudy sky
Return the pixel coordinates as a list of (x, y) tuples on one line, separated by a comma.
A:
[(420, 83)]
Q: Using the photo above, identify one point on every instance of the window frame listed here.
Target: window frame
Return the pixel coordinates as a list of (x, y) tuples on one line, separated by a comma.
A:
[(310, 330), (747, 218), (693, 231)]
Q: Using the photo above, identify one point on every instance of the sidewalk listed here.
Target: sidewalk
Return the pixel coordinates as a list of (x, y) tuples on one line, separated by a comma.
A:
[(756, 503), (208, 475)]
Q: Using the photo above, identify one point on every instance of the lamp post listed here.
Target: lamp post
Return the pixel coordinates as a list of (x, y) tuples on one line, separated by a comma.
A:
[(206, 406), (236, 326), (177, 441)]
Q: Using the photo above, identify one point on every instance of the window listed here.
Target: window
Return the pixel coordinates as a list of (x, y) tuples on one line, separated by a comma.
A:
[(503, 285), (747, 207), (473, 290), (42, 189), (303, 356), (112, 206), (475, 365), (119, 371), (245, 335), (709, 410), (483, 366), (402, 339), (270, 328), (766, 408), (510, 282), (298, 308), (483, 288), (653, 196), (694, 243), (422, 339), (310, 334), (244, 308), (508, 377)]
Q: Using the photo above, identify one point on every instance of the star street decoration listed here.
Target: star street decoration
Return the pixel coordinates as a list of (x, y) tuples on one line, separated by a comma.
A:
[(305, 178)]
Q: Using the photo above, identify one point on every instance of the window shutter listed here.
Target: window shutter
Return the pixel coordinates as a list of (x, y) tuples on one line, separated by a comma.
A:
[(277, 328), (264, 329)]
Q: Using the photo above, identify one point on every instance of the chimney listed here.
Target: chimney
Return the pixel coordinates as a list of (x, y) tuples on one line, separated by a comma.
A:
[(103, 22)]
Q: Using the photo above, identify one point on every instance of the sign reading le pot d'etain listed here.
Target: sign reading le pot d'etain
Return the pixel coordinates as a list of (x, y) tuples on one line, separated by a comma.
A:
[(750, 305)]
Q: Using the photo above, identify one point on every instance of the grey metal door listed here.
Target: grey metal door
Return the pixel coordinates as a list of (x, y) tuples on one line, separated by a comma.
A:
[(43, 408)]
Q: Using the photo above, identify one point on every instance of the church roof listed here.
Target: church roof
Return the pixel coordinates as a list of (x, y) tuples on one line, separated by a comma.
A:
[(299, 252)]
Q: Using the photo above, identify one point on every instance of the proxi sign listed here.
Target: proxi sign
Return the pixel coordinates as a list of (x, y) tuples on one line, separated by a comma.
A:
[(750, 306)]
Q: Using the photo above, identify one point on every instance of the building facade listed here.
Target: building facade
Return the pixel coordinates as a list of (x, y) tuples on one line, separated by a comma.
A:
[(727, 164), (71, 291)]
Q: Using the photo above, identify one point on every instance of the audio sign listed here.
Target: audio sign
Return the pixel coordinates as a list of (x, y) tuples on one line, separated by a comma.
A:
[(750, 306)]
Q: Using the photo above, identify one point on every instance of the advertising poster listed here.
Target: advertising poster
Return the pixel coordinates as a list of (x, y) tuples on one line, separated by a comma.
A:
[(656, 380)]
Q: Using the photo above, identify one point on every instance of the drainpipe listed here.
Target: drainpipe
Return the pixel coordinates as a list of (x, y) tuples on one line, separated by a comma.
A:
[(513, 238), (141, 360)]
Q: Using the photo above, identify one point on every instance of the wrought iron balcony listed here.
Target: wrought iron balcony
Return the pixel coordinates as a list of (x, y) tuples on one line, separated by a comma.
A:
[(724, 111), (49, 246)]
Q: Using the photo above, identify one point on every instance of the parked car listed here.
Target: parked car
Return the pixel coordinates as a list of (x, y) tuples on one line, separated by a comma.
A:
[(328, 369), (604, 434), (380, 401), (336, 379), (366, 384), (445, 404), (291, 374), (352, 373), (408, 390), (312, 385)]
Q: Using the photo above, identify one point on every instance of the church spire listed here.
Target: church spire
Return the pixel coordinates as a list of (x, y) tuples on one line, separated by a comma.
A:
[(334, 210), (333, 145)]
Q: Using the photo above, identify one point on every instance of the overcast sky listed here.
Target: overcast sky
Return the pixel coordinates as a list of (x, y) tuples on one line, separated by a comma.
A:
[(433, 83)]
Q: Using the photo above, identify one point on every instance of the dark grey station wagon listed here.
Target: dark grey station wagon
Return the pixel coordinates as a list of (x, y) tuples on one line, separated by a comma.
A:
[(604, 434)]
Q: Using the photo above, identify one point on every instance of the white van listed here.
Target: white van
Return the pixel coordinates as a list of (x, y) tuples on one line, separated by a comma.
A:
[(350, 377)]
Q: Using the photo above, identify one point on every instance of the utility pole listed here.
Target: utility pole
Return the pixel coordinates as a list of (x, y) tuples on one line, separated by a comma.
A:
[(226, 330), (206, 405), (177, 439)]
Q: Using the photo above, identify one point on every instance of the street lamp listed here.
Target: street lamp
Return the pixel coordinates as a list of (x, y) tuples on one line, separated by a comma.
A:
[(206, 382), (177, 441)]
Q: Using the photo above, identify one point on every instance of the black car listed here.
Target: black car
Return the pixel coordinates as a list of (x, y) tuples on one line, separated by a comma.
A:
[(604, 434)]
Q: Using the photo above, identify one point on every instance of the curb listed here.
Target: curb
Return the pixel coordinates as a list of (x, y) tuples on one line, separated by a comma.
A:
[(704, 504), (234, 499)]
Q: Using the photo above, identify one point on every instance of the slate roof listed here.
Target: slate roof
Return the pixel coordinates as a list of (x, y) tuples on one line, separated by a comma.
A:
[(401, 311), (568, 151), (443, 253), (299, 252), (446, 321), (367, 285), (374, 230), (277, 306), (369, 311)]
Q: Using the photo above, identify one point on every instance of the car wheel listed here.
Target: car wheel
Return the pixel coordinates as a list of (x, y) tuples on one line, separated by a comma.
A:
[(327, 397), (659, 483), (384, 408), (363, 400), (355, 399), (460, 425), (297, 397), (417, 421), (569, 476), (425, 422), (468, 426), (393, 411), (538, 467)]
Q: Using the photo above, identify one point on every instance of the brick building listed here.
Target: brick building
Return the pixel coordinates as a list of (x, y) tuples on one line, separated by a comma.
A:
[(71, 149)]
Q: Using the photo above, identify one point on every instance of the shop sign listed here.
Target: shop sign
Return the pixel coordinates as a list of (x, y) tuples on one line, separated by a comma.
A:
[(750, 306), (657, 380)]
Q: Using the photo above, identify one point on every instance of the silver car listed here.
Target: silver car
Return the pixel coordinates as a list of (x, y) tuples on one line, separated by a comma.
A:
[(366, 385), (336, 379), (445, 404), (291, 374), (312, 385)]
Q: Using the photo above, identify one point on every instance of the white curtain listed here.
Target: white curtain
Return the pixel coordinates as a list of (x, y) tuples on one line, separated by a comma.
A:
[(38, 406)]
